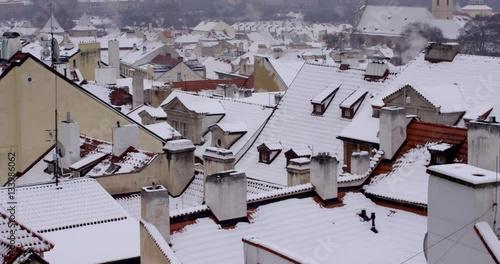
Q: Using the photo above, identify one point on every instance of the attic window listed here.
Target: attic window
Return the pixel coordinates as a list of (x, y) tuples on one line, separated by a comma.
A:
[(297, 153), (269, 152), (322, 100), (351, 104)]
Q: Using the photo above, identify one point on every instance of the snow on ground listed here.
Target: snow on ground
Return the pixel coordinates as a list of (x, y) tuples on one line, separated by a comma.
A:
[(408, 181), (299, 225)]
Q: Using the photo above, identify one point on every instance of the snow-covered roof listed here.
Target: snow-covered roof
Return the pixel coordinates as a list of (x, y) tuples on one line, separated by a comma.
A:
[(324, 94), (163, 130), (476, 77), (391, 21), (294, 126), (287, 70), (354, 97), (84, 24), (489, 239), (89, 159), (213, 65), (303, 227), (192, 199), (134, 56), (161, 243), (24, 236), (408, 180), (238, 116), (476, 8), (205, 26), (52, 26)]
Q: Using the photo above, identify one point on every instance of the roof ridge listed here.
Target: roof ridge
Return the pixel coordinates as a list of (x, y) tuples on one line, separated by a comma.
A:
[(222, 98)]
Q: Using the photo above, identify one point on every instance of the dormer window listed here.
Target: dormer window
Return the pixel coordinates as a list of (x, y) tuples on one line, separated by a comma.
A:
[(268, 152), (376, 70), (442, 153), (322, 100), (297, 153), (351, 104)]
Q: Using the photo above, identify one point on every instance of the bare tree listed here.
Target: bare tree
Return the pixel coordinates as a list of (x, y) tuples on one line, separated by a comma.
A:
[(481, 36)]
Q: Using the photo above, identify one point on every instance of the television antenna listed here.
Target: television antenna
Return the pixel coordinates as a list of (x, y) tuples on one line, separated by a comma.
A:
[(58, 146)]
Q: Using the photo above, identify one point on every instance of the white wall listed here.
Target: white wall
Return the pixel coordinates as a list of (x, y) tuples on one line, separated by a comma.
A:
[(483, 141)]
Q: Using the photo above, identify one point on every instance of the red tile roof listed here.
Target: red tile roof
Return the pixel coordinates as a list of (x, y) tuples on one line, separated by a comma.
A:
[(420, 133), (196, 86), (165, 60)]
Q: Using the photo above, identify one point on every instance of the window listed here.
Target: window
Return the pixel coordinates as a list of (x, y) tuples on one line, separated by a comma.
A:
[(440, 160), (264, 157), (181, 127), (347, 113), (179, 76), (318, 109), (448, 2), (437, 3), (218, 143)]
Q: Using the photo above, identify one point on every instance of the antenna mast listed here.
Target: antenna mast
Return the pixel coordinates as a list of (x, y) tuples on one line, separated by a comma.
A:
[(53, 60)]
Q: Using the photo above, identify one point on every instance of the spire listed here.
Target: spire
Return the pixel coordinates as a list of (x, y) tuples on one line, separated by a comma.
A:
[(56, 27), (84, 24)]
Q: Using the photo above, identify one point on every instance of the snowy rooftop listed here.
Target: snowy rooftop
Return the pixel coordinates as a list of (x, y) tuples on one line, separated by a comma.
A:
[(295, 127), (287, 70), (408, 180), (191, 200), (476, 77), (301, 226), (84, 24), (238, 117)]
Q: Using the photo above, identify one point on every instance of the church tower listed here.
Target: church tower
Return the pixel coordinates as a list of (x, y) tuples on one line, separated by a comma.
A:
[(442, 9)]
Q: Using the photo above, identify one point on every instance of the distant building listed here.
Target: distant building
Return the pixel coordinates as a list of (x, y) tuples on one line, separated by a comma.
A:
[(443, 9), (477, 8)]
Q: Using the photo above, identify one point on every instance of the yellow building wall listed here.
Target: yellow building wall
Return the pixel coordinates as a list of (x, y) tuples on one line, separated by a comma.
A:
[(28, 111), (87, 59), (265, 77)]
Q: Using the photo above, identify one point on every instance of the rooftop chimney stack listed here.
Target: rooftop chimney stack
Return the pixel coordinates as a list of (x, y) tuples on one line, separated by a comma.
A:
[(69, 142), (441, 52), (217, 160), (155, 208), (483, 144), (392, 133), (125, 137), (299, 171), (114, 55), (138, 78), (360, 162), (324, 174), (226, 195), (11, 44), (180, 165), (450, 227)]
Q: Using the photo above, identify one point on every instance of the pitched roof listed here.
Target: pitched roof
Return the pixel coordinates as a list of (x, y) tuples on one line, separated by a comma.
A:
[(52, 26), (197, 86), (303, 227), (293, 124), (84, 24), (476, 78)]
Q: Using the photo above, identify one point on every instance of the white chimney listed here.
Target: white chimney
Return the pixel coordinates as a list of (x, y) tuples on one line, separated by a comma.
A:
[(392, 130), (459, 196), (324, 174), (483, 144), (69, 142), (114, 55), (226, 195), (180, 165), (217, 160), (360, 162), (125, 137), (11, 44), (138, 78), (299, 171), (155, 208)]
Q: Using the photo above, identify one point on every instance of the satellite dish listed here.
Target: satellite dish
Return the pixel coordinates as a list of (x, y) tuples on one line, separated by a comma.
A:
[(60, 149), (45, 53), (44, 40)]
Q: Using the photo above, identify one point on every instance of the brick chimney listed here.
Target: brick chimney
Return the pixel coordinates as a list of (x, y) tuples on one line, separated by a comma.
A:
[(155, 208), (180, 165), (69, 138), (125, 137), (324, 174), (226, 195), (483, 138), (392, 132)]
